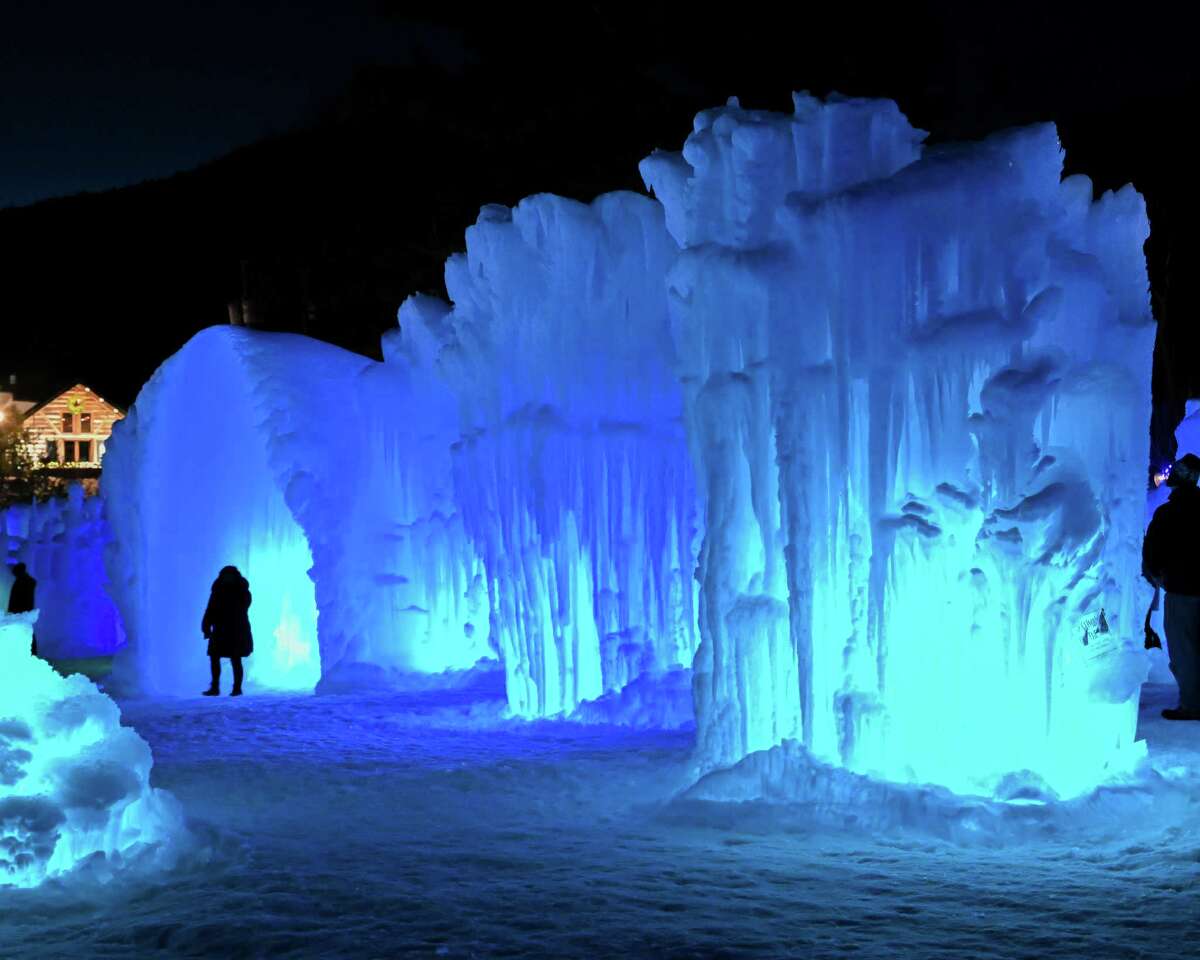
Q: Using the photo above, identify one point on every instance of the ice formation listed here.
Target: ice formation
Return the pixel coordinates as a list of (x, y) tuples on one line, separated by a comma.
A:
[(917, 387), (571, 469), (62, 542), (850, 428), (320, 475), (74, 783)]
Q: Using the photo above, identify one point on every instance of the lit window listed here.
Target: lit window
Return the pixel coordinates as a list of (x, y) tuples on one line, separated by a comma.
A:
[(68, 451), (68, 423), (85, 423), (85, 451)]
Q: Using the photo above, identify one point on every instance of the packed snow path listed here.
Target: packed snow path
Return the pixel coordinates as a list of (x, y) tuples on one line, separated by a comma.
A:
[(422, 825)]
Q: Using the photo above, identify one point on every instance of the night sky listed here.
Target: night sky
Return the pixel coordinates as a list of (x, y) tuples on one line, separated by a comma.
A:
[(96, 95), (375, 130)]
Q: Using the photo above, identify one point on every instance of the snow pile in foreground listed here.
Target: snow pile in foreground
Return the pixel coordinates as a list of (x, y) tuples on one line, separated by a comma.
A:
[(74, 783)]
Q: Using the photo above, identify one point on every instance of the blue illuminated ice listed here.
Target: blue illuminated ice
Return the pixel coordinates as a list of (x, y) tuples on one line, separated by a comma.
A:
[(74, 783), (848, 430), (571, 468), (62, 541), (324, 478), (917, 385)]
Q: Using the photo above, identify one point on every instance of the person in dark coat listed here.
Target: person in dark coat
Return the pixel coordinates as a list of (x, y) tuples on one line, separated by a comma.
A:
[(21, 596), (1171, 560), (226, 624)]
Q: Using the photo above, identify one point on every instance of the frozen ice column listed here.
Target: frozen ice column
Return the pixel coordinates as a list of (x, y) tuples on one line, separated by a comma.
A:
[(74, 783), (918, 398), (571, 471)]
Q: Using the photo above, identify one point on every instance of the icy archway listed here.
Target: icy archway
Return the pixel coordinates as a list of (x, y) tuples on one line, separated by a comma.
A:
[(311, 469), (189, 489)]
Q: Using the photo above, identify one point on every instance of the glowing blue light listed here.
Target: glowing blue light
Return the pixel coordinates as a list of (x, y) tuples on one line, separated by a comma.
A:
[(75, 783)]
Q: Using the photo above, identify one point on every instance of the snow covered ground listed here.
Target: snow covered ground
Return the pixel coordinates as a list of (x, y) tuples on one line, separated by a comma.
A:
[(425, 825)]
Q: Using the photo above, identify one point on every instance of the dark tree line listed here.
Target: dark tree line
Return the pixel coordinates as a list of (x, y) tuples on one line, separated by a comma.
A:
[(326, 229)]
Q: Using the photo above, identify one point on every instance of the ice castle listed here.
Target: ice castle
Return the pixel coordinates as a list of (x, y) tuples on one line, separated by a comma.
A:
[(853, 428)]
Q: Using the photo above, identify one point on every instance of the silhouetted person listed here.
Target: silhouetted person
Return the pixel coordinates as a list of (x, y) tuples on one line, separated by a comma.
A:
[(21, 596), (226, 624), (1170, 559)]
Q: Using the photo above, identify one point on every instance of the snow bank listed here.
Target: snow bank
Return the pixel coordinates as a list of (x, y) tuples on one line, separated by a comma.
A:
[(917, 387), (62, 542), (318, 473), (74, 783)]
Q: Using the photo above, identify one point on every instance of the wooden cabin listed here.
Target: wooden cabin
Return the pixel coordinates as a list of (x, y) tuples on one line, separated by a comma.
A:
[(68, 432)]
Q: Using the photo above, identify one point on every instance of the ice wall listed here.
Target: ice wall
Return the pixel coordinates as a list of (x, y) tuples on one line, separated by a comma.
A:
[(917, 390), (74, 783), (571, 469), (311, 469), (62, 542)]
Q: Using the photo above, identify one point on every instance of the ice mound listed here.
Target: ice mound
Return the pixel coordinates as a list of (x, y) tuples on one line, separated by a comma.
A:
[(74, 783), (655, 700), (786, 786)]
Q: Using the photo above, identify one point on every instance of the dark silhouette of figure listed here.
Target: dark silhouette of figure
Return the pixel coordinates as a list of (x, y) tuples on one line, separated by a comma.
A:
[(21, 596), (226, 624), (1171, 560)]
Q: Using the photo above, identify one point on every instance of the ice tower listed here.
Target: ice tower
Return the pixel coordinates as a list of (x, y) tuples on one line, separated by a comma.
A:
[(917, 390), (571, 471)]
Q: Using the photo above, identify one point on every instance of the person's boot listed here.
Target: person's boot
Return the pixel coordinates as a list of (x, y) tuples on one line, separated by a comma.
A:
[(235, 692), (1179, 713), (211, 692)]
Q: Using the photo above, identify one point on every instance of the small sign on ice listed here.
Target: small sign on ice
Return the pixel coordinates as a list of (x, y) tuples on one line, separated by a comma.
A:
[(1093, 627), (1096, 636)]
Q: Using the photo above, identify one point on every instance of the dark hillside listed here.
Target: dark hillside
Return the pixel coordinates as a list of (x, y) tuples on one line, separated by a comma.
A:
[(328, 228)]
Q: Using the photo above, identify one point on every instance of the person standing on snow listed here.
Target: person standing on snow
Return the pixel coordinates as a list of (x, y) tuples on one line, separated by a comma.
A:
[(226, 625), (1171, 560), (21, 596)]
